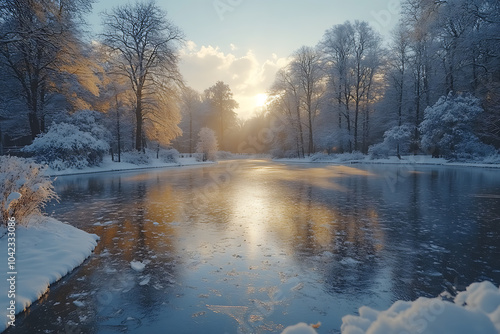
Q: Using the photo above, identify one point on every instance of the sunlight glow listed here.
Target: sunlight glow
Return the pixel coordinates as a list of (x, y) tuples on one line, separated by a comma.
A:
[(260, 100)]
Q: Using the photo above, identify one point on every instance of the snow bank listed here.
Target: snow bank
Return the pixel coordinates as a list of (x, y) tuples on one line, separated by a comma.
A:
[(111, 166), (45, 252), (476, 310), (301, 328), (392, 160)]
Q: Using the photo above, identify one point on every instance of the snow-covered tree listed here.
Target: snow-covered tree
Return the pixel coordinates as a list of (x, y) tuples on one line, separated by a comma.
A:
[(352, 59), (143, 42), (222, 105), (306, 69), (285, 106), (397, 141), (192, 117), (40, 48), (207, 144), (448, 128), (24, 190)]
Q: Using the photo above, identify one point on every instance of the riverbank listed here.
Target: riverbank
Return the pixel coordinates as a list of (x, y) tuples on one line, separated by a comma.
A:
[(109, 165), (35, 257), (347, 159)]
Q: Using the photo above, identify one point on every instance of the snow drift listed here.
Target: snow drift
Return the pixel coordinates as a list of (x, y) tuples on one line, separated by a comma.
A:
[(475, 310)]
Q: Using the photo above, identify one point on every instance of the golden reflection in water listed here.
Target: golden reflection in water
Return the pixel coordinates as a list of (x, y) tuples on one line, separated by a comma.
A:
[(284, 215), (142, 223), (299, 220)]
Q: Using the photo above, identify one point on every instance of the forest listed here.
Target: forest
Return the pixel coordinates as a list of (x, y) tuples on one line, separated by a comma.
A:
[(432, 87)]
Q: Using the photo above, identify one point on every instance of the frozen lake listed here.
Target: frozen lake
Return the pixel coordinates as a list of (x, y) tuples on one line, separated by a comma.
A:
[(255, 246)]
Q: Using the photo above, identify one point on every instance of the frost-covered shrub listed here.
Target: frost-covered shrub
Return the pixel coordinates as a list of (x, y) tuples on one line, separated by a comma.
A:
[(170, 155), (224, 155), (492, 159), (473, 150), (277, 153), (321, 156), (92, 122), (207, 144), (66, 146), (23, 177), (351, 156), (398, 135), (379, 151), (136, 158), (448, 129)]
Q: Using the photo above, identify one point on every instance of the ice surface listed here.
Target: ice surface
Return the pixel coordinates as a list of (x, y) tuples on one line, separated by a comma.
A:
[(79, 303), (145, 281)]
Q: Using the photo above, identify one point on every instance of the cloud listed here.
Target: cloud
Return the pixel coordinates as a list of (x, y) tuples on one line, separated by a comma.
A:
[(246, 75)]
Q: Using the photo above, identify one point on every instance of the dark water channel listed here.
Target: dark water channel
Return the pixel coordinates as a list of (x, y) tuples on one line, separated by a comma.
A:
[(255, 246)]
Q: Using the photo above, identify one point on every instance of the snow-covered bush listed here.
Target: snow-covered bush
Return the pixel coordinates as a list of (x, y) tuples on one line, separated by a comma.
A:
[(356, 155), (492, 159), (66, 146), (224, 155), (398, 135), (24, 189), (207, 144), (321, 156), (92, 122), (448, 129), (170, 155), (136, 158)]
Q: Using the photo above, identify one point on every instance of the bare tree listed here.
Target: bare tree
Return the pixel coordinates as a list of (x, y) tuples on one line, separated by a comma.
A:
[(285, 94), (352, 57), (308, 74), (337, 46), (145, 44)]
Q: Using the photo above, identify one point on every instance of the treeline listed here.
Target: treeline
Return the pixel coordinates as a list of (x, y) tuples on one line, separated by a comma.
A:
[(351, 91), (129, 74)]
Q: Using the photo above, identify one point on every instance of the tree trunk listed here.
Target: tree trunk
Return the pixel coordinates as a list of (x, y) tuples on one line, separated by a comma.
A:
[(300, 132), (138, 118), (356, 121), (190, 133), (118, 134), (34, 124)]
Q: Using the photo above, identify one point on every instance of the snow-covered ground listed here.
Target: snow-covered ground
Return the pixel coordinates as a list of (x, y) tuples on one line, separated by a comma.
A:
[(405, 160), (45, 251), (475, 310), (108, 166)]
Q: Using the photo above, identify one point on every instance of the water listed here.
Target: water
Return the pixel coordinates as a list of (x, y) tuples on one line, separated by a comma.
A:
[(255, 246)]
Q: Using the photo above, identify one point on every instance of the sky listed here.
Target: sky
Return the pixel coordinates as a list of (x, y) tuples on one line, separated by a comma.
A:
[(244, 42)]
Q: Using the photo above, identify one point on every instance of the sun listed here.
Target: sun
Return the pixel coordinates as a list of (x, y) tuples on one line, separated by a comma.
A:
[(260, 100)]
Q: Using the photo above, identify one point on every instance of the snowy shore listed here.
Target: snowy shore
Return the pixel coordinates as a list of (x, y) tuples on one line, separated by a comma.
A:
[(111, 166), (45, 251), (475, 310), (405, 160)]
